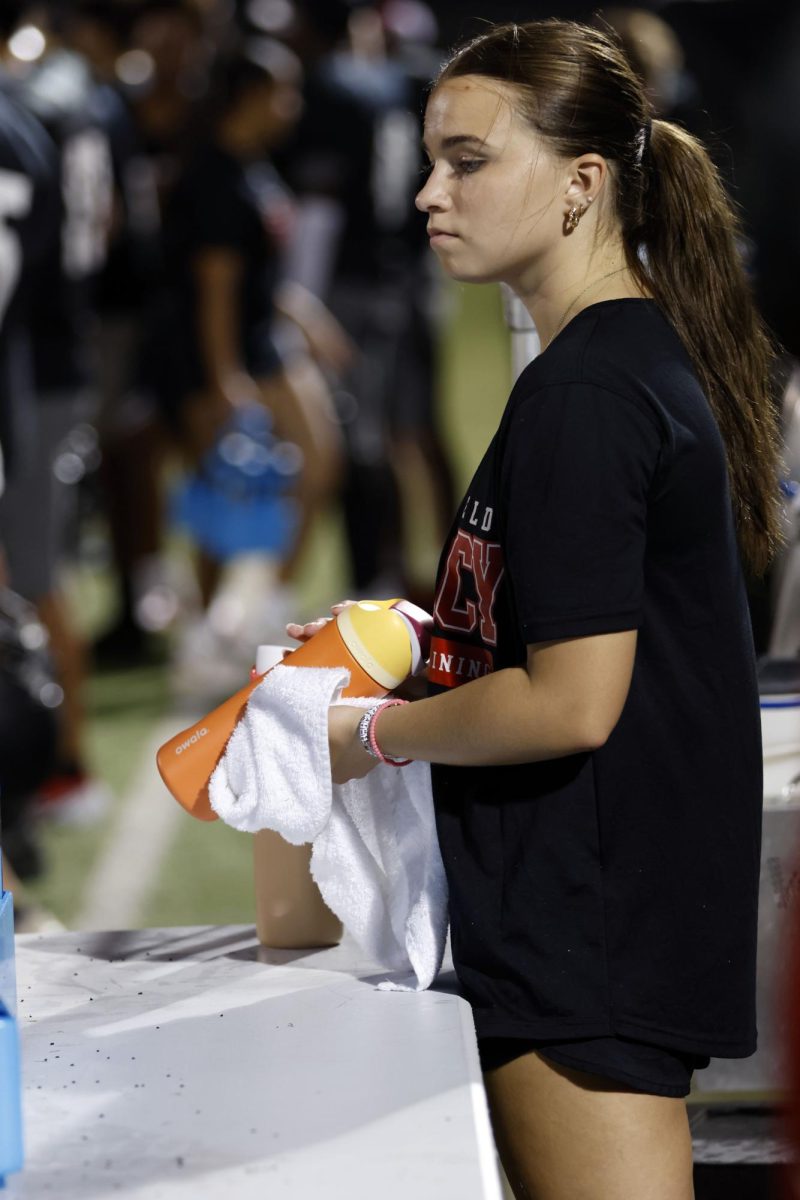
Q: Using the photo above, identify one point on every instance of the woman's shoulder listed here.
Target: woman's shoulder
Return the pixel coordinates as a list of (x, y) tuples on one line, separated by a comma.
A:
[(615, 337), (622, 348)]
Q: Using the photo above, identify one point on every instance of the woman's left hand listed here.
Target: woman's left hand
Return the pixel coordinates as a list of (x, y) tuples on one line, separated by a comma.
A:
[(349, 759)]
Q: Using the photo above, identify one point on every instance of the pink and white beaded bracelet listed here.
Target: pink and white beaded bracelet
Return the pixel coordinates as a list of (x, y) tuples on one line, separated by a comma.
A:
[(366, 733)]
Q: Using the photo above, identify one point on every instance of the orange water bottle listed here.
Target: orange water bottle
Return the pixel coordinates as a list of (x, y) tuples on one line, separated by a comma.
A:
[(381, 642)]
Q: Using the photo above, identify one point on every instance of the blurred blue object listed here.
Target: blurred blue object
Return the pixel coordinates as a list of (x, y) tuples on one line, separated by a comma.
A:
[(10, 1090), (238, 499)]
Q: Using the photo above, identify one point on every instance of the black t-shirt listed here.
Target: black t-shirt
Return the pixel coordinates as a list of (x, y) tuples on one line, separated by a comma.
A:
[(133, 259), (222, 203), (29, 206), (61, 93), (28, 201), (612, 892)]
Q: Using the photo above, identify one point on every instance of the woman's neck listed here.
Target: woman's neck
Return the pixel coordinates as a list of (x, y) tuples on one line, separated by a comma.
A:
[(568, 286)]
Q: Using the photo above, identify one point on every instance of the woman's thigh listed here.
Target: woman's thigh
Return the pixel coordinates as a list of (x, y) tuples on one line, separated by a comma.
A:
[(568, 1135)]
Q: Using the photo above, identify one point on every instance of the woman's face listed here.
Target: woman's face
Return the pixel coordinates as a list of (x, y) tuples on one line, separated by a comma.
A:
[(494, 196)]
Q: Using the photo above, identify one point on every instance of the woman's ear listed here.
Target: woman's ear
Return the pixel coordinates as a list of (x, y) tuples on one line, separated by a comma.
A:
[(587, 175)]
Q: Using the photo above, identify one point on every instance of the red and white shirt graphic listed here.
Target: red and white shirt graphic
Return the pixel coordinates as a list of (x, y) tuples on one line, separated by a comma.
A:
[(466, 596)]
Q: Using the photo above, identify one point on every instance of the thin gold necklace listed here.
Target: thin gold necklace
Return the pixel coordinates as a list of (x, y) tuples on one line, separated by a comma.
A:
[(579, 296)]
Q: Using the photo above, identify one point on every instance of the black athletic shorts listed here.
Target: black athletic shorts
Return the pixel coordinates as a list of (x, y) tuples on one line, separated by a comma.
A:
[(638, 1065)]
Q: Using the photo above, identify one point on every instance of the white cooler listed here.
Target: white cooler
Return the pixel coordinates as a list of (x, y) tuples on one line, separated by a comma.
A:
[(779, 685)]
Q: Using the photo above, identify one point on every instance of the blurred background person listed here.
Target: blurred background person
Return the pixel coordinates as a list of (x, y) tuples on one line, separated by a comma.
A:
[(173, 54), (355, 165), (131, 441), (654, 51), (29, 213), (56, 87), (419, 453), (220, 367)]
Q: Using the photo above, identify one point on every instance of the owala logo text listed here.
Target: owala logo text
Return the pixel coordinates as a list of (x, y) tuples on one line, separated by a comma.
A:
[(198, 733)]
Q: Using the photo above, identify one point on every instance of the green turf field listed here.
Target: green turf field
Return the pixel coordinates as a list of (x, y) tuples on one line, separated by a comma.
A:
[(205, 872)]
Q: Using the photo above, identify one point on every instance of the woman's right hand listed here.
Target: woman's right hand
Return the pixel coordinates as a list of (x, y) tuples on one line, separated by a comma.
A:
[(302, 633)]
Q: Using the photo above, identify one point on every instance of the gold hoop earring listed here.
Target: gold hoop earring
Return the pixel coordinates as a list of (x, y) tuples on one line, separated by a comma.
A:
[(573, 218)]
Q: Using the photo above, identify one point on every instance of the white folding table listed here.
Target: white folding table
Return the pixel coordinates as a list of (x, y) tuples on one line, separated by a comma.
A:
[(194, 1063)]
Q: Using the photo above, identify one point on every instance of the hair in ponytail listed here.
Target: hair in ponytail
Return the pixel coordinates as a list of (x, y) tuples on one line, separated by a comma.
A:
[(579, 93), (694, 271)]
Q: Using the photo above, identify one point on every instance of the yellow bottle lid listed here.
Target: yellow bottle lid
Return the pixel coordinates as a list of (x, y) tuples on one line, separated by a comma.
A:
[(378, 640)]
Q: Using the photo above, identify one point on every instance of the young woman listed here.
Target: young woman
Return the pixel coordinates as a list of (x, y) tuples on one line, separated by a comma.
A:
[(593, 719)]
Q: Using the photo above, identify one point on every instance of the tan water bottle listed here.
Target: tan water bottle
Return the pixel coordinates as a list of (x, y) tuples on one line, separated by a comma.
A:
[(290, 912)]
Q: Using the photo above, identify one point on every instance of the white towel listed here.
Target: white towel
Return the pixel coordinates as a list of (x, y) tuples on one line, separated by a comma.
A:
[(375, 854)]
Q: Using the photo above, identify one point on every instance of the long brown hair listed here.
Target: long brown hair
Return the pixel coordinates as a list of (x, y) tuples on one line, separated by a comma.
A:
[(578, 91)]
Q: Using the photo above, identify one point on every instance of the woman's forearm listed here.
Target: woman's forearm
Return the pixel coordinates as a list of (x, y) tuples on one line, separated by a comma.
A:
[(500, 719), (566, 700)]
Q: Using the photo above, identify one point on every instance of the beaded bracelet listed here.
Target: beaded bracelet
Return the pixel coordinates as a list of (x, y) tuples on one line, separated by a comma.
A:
[(366, 733)]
